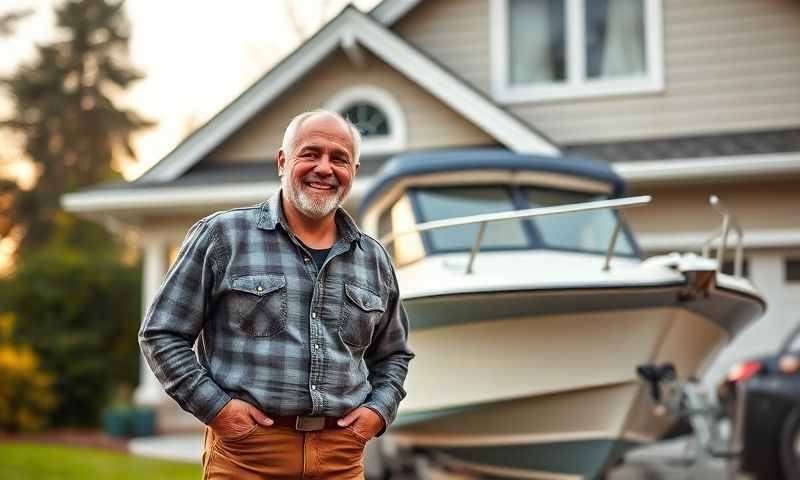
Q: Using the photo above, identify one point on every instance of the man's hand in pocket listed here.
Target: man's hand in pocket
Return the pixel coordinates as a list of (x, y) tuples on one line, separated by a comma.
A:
[(237, 417), (364, 421)]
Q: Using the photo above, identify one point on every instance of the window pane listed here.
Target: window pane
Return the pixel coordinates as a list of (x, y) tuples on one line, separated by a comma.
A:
[(536, 41), (589, 231), (792, 269), (438, 204), (368, 118), (615, 38)]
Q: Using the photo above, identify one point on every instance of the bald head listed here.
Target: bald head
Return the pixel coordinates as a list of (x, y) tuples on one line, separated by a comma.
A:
[(294, 127), (317, 163)]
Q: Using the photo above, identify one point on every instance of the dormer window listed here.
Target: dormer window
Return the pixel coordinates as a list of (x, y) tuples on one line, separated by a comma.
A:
[(377, 115), (551, 49)]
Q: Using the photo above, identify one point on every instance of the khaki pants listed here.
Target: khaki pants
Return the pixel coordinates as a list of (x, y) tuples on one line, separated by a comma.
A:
[(279, 452)]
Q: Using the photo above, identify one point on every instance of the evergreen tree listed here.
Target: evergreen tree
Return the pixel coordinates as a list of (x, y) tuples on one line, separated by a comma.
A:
[(76, 303), (64, 108), (9, 190)]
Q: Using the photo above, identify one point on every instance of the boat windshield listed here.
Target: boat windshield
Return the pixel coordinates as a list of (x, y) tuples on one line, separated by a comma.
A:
[(578, 231)]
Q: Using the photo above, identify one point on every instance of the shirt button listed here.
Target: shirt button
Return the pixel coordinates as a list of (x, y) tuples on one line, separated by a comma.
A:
[(306, 259), (313, 314), (259, 288), (313, 387), (316, 347)]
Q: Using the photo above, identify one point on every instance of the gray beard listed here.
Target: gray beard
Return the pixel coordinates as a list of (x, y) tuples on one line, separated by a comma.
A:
[(305, 204)]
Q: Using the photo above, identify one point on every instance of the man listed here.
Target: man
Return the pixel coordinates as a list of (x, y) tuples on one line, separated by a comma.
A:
[(301, 335)]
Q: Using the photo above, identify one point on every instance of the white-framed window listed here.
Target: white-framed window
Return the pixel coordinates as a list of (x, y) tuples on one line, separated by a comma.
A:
[(377, 115), (557, 49)]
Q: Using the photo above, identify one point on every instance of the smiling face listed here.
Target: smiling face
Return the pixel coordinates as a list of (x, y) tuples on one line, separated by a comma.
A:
[(318, 171)]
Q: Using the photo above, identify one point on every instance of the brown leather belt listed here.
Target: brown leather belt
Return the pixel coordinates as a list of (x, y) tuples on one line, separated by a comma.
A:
[(307, 423)]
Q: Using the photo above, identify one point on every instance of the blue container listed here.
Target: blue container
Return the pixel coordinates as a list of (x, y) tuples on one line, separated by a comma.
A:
[(143, 422), (116, 422)]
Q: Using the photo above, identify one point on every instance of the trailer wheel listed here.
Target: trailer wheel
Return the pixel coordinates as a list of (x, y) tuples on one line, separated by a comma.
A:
[(790, 445)]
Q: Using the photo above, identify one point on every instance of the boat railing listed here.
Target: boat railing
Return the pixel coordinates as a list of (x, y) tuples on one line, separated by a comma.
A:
[(720, 237), (483, 219)]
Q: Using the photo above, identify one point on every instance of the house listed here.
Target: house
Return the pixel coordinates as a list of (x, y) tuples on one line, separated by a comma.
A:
[(685, 98)]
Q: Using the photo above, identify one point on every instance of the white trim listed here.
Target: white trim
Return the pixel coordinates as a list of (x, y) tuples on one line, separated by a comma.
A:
[(396, 141), (576, 85), (654, 33), (498, 43), (353, 51), (711, 168), (643, 172), (691, 240), (195, 197), (154, 266), (454, 93), (390, 11), (166, 197), (576, 38)]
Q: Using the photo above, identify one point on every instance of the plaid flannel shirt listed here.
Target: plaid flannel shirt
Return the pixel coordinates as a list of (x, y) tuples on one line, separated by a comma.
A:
[(271, 329)]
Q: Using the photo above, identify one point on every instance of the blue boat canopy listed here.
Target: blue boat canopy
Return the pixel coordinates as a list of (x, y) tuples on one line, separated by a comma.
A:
[(411, 164)]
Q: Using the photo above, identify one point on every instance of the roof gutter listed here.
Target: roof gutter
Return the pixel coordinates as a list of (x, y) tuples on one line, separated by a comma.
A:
[(708, 169), (164, 198)]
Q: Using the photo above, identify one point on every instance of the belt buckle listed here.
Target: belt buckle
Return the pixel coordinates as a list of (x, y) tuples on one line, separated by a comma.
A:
[(309, 424)]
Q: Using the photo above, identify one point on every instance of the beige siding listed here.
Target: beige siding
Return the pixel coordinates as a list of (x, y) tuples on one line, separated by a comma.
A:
[(455, 33), (430, 123), (684, 208), (730, 65)]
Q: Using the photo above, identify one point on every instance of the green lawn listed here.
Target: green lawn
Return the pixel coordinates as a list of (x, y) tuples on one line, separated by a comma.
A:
[(27, 461)]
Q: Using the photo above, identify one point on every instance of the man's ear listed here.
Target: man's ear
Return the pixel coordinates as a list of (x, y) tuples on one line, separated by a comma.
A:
[(357, 165), (280, 159)]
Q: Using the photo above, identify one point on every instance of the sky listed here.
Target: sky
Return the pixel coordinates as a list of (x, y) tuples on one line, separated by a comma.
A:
[(196, 56)]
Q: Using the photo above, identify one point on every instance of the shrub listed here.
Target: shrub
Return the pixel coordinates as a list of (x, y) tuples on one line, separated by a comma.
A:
[(26, 394), (79, 311)]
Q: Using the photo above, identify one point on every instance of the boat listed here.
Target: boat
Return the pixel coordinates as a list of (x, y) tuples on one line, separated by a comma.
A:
[(530, 305)]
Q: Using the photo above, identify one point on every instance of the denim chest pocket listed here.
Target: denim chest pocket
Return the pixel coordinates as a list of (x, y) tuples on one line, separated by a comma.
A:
[(260, 303), (361, 311)]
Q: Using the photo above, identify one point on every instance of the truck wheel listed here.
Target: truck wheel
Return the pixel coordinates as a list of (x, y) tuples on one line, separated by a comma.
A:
[(790, 445)]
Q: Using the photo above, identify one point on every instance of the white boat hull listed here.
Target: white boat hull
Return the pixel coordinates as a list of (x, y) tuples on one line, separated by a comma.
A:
[(515, 392)]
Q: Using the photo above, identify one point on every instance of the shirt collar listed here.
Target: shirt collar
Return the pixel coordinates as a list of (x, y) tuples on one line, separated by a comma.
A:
[(272, 216)]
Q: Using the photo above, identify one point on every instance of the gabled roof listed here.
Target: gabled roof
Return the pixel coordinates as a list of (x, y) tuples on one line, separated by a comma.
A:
[(389, 11), (352, 27)]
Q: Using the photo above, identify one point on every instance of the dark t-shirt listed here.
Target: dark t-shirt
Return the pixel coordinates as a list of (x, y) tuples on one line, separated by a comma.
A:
[(318, 256)]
